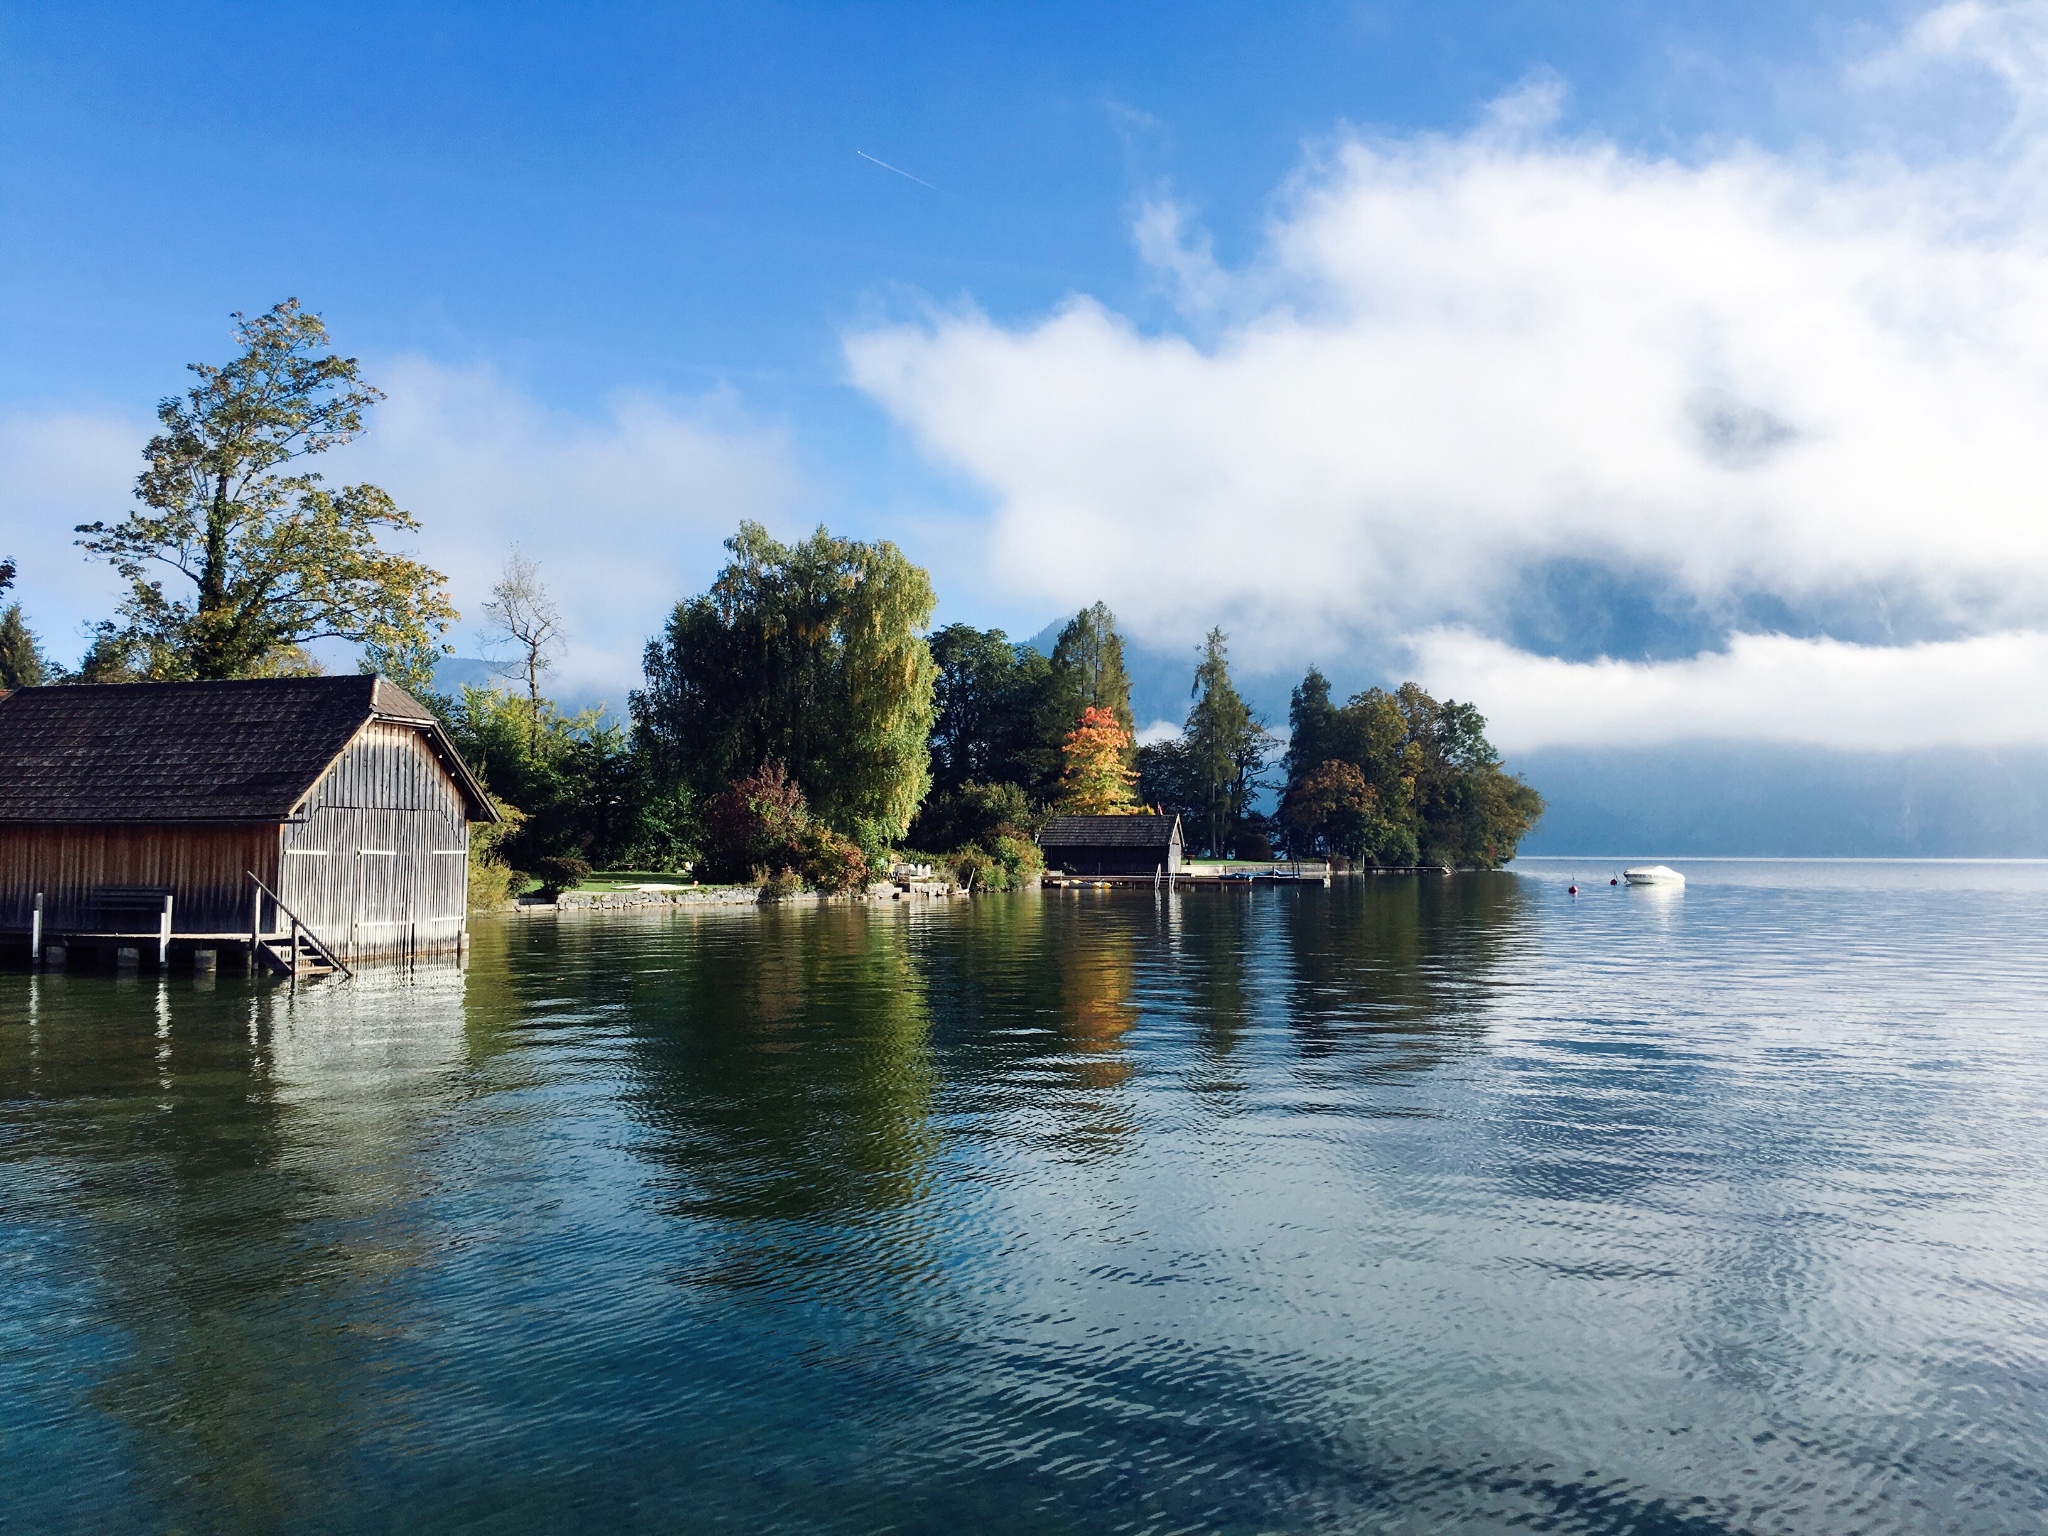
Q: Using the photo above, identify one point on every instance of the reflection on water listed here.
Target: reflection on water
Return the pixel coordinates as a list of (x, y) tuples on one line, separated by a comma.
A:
[(1411, 1204)]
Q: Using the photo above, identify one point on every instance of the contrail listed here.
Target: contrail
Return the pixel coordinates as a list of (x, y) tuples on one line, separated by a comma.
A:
[(885, 165)]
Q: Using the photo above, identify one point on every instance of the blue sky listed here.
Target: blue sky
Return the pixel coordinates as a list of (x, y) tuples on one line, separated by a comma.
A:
[(629, 277), (669, 196)]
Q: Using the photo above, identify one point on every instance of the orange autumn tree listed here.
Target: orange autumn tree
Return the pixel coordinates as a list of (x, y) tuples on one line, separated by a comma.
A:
[(1097, 780)]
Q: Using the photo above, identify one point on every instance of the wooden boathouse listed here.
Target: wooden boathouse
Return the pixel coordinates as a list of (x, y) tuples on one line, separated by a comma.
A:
[(1112, 845), (302, 822)]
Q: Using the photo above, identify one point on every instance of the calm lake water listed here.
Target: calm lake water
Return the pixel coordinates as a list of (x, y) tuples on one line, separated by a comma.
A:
[(1409, 1205)]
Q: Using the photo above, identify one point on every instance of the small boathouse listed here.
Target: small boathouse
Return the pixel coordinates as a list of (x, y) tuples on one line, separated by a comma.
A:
[(1112, 845), (301, 821)]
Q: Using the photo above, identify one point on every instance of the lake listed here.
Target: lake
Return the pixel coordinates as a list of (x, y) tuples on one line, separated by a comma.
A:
[(1409, 1205)]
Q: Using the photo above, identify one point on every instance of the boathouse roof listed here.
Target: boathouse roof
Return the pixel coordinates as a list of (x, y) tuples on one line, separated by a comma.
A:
[(1141, 831), (248, 750)]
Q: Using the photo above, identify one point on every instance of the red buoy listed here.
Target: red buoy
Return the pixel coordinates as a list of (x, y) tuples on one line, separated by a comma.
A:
[(1571, 890)]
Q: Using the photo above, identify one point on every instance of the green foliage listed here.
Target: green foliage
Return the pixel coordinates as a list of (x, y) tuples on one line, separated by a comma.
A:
[(586, 792), (491, 879), (273, 558), (988, 698), (1333, 809), (1005, 863), (1086, 672), (810, 655), (974, 814), (1397, 778), (559, 872), (22, 663), (760, 826), (1223, 749), (411, 666), (1004, 711)]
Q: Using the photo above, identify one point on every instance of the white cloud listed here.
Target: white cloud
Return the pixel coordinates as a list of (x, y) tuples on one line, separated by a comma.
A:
[(1987, 691), (1816, 381), (624, 513), (60, 468)]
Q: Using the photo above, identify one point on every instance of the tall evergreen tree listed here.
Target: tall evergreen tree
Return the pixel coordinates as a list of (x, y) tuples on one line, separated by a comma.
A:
[(1312, 725), (1087, 673), (1226, 744), (21, 660)]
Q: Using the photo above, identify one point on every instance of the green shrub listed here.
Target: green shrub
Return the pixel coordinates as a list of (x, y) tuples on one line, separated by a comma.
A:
[(1008, 864), (761, 824), (832, 862), (492, 881), (560, 872)]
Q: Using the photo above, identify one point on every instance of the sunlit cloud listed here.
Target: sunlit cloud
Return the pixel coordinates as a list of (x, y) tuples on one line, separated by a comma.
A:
[(624, 513), (1987, 691), (1805, 385)]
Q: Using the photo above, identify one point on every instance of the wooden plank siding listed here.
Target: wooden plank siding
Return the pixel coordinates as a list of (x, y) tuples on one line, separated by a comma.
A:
[(377, 861), (205, 867)]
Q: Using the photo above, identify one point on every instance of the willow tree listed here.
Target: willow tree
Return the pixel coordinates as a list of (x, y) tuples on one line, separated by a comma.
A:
[(809, 655), (264, 556)]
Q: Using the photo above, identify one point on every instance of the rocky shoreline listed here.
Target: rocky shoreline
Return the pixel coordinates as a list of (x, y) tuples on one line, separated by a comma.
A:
[(724, 896)]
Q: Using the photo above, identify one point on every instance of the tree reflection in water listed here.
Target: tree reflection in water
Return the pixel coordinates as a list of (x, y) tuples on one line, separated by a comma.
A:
[(782, 1065), (1394, 972)]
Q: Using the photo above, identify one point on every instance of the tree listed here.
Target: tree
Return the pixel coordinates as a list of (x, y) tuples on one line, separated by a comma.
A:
[(988, 698), (273, 557), (22, 664), (522, 615), (1097, 781), (1401, 778), (1227, 745), (810, 655), (1332, 809), (1312, 725), (1087, 672)]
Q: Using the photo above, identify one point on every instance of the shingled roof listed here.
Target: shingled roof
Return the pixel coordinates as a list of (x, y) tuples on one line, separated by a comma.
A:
[(1143, 831), (235, 751)]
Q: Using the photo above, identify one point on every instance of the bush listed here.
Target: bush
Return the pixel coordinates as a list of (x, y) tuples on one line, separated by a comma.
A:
[(779, 886), (1007, 864), (493, 882), (559, 872), (760, 828), (832, 862), (755, 823)]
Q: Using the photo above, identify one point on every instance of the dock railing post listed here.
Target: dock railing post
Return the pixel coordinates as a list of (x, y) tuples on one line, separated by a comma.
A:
[(163, 935), (255, 921), (35, 936)]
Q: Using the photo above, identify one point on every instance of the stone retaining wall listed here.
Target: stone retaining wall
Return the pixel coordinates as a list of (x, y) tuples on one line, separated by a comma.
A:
[(725, 896)]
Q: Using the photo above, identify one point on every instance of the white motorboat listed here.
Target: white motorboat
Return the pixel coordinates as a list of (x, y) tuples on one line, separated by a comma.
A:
[(1653, 874)]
